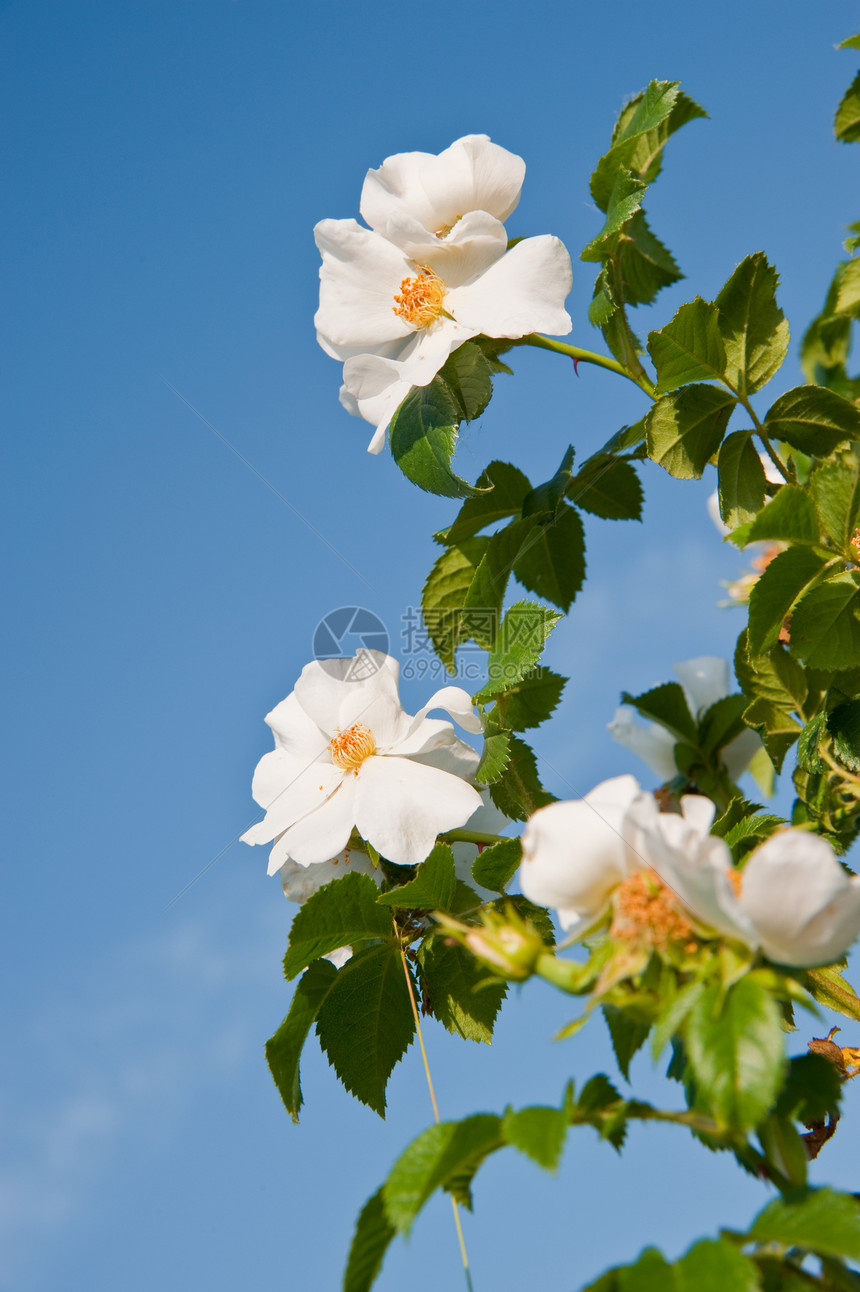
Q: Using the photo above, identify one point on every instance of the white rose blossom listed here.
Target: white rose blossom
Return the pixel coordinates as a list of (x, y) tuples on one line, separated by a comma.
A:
[(347, 756), (704, 681), (792, 899), (576, 853)]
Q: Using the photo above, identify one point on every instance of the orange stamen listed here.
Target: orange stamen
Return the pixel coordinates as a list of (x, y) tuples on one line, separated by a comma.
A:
[(420, 301), (349, 748), (646, 910)]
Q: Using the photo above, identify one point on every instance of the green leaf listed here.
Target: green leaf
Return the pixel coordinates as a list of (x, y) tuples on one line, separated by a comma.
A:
[(850, 42), (813, 420), (848, 288), (438, 1154), (813, 1089), (365, 1024), (742, 479), (433, 887), (846, 123), (521, 638), (667, 705), (672, 1014), (685, 428), (518, 793), (460, 990), (341, 913), (825, 626), (504, 488), (721, 723), (832, 990), (627, 1034), (373, 1234), (735, 1049), (836, 490), (714, 1265), (651, 1272), (752, 829), (551, 560), (608, 487), (468, 375), (640, 134), (423, 436), (495, 757), (496, 866), (487, 591), (790, 516), (754, 328), (816, 1220), (775, 685), (808, 744), (530, 701), (444, 596), (547, 496), (843, 723), (539, 1132), (689, 348), (643, 263), (624, 200), (775, 592), (283, 1050)]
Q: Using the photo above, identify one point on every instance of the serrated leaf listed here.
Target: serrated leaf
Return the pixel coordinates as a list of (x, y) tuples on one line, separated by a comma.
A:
[(496, 866), (846, 123), (734, 1046), (608, 488), (627, 1034), (813, 1089), (342, 913), (836, 491), (813, 420), (547, 496), (423, 436), (518, 792), (741, 479), (494, 758), (365, 1024), (689, 348), (808, 744), (283, 1050), (666, 704), (830, 989), (685, 428), (624, 200), (843, 723), (752, 828), (753, 327), (643, 127), (444, 596), (643, 264), (713, 1265), (781, 583), (790, 516), (519, 644), (373, 1234), (460, 990), (530, 701), (431, 1160), (825, 626), (504, 488), (539, 1132), (487, 590), (816, 1220), (721, 723), (551, 560), (433, 887), (468, 375)]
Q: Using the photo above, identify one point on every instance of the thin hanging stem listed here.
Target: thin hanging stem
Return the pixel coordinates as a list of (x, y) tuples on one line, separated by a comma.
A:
[(586, 356), (461, 1240)]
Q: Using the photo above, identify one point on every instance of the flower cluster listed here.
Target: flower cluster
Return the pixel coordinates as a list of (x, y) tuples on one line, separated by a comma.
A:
[(433, 269), (666, 878)]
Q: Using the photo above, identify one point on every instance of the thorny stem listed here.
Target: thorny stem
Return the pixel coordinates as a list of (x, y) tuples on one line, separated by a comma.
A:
[(586, 356), (461, 1240)]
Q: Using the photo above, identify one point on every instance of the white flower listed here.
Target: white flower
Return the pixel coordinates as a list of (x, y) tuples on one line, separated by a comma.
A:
[(301, 882), (427, 204), (378, 304), (576, 853), (704, 681), (792, 899), (347, 755)]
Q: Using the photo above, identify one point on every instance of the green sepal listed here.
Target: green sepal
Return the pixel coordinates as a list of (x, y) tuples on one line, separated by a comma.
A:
[(365, 1024), (283, 1050), (343, 912), (685, 428), (754, 329)]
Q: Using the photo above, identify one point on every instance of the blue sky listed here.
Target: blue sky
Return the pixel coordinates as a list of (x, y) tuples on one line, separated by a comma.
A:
[(165, 165)]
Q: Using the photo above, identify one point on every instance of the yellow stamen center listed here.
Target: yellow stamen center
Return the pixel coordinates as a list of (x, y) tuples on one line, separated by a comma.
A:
[(420, 301), (736, 879), (349, 748), (646, 910), (446, 228)]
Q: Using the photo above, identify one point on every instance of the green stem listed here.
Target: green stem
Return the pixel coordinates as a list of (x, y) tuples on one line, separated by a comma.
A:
[(760, 431), (473, 836), (586, 356)]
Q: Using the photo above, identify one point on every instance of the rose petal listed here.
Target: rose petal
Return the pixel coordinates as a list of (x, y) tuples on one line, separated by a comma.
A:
[(402, 805)]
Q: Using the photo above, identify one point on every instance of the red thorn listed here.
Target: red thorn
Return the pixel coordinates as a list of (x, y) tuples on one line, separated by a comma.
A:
[(576, 367)]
